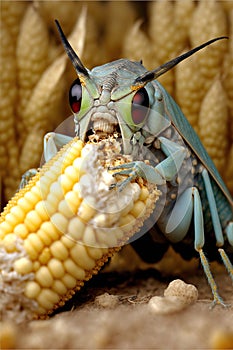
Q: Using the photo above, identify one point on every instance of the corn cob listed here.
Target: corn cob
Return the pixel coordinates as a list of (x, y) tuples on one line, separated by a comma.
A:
[(62, 227), (213, 124), (209, 21), (188, 89), (31, 54)]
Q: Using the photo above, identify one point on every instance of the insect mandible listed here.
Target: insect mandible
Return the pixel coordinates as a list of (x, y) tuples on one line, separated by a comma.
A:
[(123, 97)]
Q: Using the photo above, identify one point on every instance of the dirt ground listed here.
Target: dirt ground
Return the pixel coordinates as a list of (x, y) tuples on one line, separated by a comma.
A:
[(94, 320)]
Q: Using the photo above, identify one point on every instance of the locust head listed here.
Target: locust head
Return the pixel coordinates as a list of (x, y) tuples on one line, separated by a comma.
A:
[(119, 98)]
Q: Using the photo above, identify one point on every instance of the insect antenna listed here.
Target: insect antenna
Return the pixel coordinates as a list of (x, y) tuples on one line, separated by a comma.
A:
[(79, 67), (153, 74)]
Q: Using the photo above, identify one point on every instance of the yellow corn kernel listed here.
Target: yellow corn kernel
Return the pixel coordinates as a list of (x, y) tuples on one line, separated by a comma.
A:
[(36, 265), (41, 211), (72, 173), (33, 221), (74, 270), (32, 290), (9, 242), (81, 258), (105, 238), (59, 250), (86, 212), (65, 209), (30, 250), (60, 221), (144, 194), (18, 212), (69, 281), (49, 228), (21, 231), (23, 266), (11, 219), (35, 242), (45, 238), (89, 236), (44, 277), (59, 287), (5, 228), (45, 256), (56, 191), (56, 267), (138, 209), (73, 201), (68, 241), (25, 204), (127, 221), (95, 253), (76, 228), (47, 298)]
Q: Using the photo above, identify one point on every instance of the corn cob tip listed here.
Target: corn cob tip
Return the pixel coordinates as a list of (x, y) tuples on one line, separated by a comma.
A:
[(59, 230)]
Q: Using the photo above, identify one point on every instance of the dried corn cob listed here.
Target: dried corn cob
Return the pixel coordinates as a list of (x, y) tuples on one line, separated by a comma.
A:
[(213, 124), (64, 225), (209, 21), (31, 54), (189, 92), (11, 14)]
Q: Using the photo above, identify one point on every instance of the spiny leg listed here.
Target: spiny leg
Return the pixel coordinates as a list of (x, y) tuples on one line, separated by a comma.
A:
[(199, 243), (26, 177), (217, 225)]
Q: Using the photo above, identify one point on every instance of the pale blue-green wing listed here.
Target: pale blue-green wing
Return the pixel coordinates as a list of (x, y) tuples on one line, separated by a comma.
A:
[(185, 129)]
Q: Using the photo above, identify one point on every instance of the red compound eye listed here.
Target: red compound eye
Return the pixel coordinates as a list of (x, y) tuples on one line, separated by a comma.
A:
[(75, 96), (140, 106)]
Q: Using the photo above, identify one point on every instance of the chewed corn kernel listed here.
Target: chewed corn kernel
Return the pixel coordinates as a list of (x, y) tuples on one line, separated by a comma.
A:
[(60, 230)]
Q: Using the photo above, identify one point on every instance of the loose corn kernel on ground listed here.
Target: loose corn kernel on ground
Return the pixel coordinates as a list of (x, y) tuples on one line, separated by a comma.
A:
[(64, 225)]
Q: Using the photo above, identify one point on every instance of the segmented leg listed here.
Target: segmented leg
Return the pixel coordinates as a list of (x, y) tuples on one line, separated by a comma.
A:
[(199, 243), (164, 171), (26, 177), (53, 142), (217, 225)]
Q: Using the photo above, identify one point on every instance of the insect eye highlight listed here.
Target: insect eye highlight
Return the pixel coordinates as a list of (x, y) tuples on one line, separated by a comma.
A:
[(75, 96), (140, 106)]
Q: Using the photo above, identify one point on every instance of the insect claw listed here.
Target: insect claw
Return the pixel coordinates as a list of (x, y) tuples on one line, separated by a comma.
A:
[(219, 301)]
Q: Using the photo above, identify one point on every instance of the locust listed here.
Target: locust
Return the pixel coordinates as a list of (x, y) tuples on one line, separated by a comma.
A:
[(160, 188), (196, 215)]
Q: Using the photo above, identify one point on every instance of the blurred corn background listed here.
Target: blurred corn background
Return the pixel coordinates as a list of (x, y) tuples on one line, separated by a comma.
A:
[(36, 75)]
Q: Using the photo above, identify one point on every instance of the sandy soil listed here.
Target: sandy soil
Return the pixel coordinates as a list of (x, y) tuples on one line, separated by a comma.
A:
[(94, 320)]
